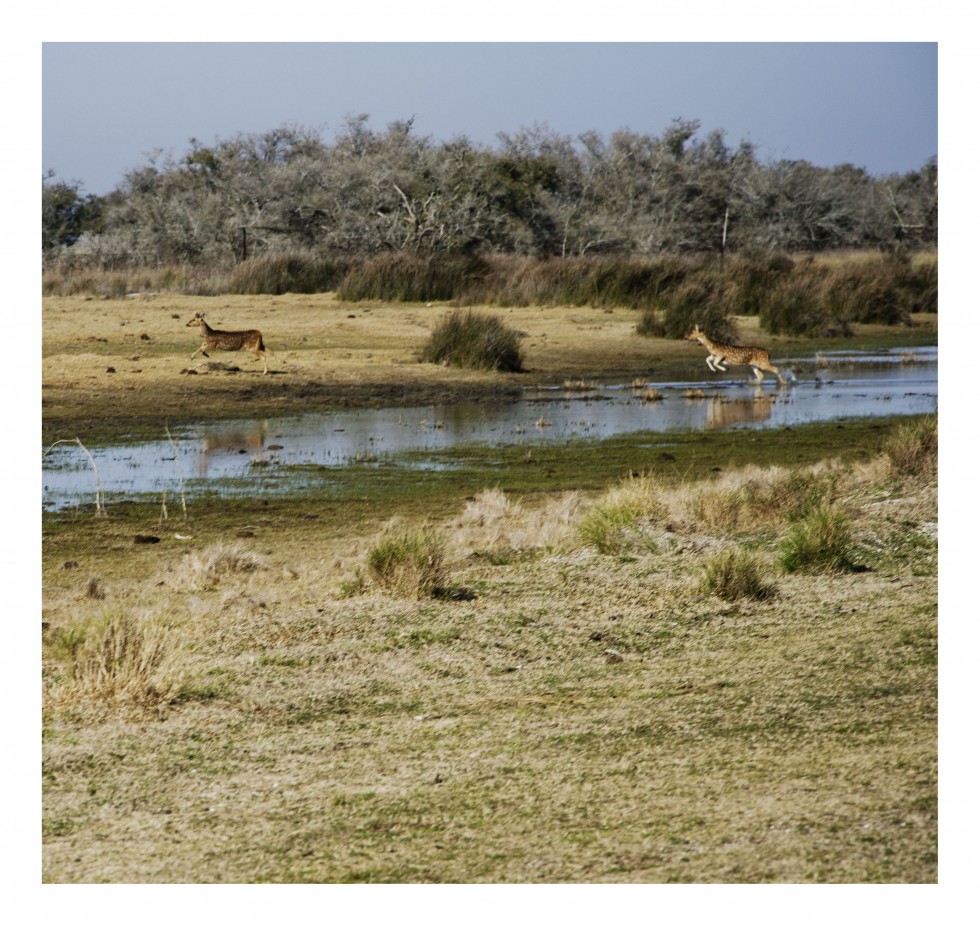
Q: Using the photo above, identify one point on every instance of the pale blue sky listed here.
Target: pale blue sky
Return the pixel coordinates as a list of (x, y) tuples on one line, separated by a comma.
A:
[(106, 106)]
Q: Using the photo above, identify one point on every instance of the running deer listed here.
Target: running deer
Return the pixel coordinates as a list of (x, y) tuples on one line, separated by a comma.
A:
[(720, 353), (230, 340)]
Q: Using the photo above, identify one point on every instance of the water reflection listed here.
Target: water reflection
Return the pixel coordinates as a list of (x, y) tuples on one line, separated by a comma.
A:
[(242, 438), (725, 412), (273, 454)]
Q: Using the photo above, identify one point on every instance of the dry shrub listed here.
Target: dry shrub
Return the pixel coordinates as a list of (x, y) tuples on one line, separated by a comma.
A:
[(115, 658), (500, 527), (914, 449), (217, 563)]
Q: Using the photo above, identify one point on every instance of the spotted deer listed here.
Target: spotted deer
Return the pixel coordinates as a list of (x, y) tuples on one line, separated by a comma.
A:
[(720, 353), (230, 340)]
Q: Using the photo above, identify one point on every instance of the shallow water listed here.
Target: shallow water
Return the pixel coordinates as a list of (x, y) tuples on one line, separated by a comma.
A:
[(271, 454)]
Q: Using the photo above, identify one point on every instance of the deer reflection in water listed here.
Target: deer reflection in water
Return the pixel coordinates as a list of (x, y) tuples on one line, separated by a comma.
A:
[(244, 439), (724, 412)]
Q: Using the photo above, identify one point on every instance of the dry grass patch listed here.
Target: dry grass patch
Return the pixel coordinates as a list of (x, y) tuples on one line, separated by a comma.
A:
[(498, 527), (114, 659), (218, 564), (914, 451)]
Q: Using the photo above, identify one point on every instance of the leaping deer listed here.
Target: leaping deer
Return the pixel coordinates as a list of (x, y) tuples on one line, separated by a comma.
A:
[(720, 353), (230, 340)]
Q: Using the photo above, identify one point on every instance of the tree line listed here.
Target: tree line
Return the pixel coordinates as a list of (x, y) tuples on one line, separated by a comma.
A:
[(535, 193)]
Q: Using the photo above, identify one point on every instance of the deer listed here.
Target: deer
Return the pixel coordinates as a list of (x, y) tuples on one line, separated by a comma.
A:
[(720, 353), (230, 340)]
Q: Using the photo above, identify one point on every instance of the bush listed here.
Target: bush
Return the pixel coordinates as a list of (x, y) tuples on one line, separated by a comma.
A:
[(471, 339), (696, 300), (795, 305), (819, 542), (914, 448), (408, 564), (737, 574)]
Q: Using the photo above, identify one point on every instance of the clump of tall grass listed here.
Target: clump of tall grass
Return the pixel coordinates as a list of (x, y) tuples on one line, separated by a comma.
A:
[(466, 338), (914, 449), (695, 300), (753, 498), (500, 528), (412, 277), (217, 563), (796, 305), (408, 563), (617, 522), (275, 274), (115, 658), (820, 541), (736, 574), (64, 279)]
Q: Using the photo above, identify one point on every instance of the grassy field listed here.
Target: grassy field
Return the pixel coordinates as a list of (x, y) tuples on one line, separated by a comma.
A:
[(584, 664)]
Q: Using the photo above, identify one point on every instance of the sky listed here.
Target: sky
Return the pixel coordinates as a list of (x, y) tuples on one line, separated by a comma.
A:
[(108, 106)]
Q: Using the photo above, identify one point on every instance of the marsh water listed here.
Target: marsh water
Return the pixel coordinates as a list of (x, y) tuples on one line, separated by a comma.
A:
[(277, 454)]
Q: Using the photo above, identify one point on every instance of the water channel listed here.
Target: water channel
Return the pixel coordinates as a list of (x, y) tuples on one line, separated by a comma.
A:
[(278, 454)]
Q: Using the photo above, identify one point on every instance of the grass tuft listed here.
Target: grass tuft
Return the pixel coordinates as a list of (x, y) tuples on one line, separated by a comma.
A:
[(211, 566), (615, 523), (819, 542), (737, 574), (914, 449), (408, 563), (114, 658), (476, 340)]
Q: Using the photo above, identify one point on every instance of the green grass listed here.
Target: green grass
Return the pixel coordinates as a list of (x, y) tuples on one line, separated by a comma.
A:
[(408, 563), (821, 541), (737, 574)]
